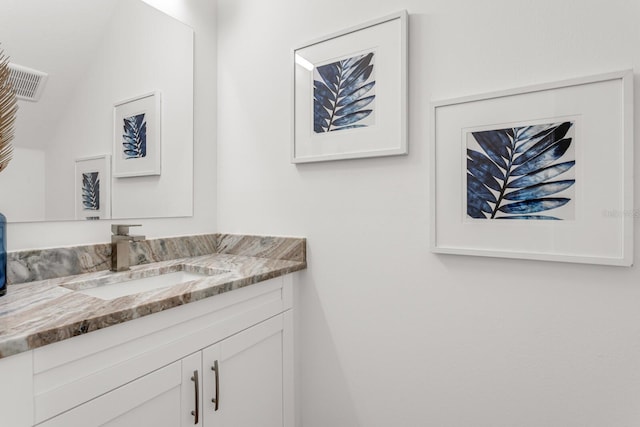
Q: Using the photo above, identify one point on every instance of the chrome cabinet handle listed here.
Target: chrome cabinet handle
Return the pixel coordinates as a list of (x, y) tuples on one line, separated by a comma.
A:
[(216, 400), (196, 413)]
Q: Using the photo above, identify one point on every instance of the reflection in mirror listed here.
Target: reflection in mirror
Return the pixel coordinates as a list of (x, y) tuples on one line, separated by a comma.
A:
[(97, 54)]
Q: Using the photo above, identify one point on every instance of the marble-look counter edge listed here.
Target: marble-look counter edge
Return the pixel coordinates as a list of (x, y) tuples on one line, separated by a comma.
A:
[(41, 313)]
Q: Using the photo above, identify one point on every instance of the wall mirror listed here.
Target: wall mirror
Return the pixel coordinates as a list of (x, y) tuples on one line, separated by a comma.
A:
[(107, 63)]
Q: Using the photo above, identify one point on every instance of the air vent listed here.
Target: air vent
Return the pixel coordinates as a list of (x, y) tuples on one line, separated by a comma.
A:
[(27, 82)]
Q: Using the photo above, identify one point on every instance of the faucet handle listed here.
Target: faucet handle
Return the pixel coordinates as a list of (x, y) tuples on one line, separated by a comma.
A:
[(122, 229)]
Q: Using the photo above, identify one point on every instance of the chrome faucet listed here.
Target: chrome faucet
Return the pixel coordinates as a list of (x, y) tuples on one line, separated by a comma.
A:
[(120, 246)]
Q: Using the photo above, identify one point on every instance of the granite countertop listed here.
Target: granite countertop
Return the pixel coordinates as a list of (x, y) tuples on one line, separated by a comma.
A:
[(37, 313)]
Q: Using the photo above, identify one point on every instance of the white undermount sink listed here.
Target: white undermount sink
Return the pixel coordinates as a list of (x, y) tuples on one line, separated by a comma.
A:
[(111, 289)]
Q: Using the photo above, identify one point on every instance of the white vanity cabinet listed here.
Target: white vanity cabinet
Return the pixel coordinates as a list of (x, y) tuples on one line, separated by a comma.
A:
[(157, 370), (243, 374)]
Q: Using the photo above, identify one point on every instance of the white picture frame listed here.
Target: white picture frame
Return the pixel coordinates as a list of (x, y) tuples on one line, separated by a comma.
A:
[(137, 136), (596, 215), (93, 187), (364, 114)]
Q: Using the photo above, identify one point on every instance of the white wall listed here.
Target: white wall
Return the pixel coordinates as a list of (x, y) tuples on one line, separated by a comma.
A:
[(22, 186), (200, 15), (390, 334)]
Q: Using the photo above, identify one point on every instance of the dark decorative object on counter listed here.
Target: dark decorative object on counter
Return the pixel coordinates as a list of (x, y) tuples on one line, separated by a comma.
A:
[(3, 255), (8, 110)]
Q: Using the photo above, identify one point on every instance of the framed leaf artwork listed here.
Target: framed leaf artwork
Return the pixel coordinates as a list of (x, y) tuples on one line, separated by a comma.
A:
[(350, 93), (136, 136), (93, 187), (541, 172)]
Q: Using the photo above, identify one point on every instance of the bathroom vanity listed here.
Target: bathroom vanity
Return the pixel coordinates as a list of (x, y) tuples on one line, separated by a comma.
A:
[(213, 348)]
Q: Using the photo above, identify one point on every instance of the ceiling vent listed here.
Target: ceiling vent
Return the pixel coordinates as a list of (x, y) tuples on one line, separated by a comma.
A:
[(27, 82)]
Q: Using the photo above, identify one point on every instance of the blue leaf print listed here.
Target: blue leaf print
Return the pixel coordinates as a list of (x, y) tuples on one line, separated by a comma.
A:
[(532, 206), (355, 106), (539, 190), (484, 169), (494, 143), (134, 139), (356, 94), (341, 91), (549, 155), (478, 197), (513, 171), (542, 175), (542, 144), (91, 191), (544, 217), (351, 118)]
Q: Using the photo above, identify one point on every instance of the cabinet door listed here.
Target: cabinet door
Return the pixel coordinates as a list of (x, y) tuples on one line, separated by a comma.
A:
[(153, 400), (248, 383)]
